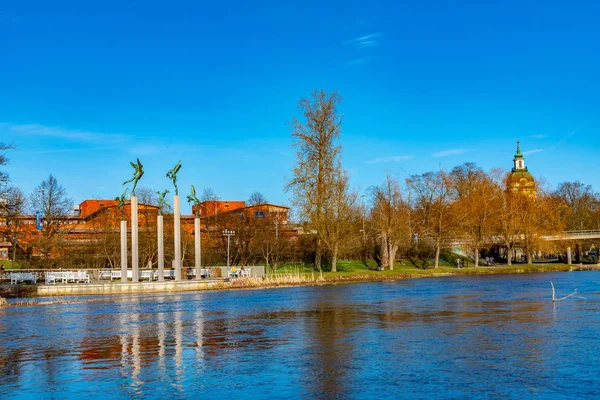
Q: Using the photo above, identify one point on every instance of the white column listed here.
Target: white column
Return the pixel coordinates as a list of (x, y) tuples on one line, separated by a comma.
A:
[(197, 246), (161, 249), (177, 234), (569, 261), (123, 251), (134, 240)]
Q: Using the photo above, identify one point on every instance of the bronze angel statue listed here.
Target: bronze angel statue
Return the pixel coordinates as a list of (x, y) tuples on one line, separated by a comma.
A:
[(172, 174), (137, 174), (194, 201)]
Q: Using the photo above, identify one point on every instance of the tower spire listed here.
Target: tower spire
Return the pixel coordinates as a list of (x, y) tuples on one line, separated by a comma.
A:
[(519, 160)]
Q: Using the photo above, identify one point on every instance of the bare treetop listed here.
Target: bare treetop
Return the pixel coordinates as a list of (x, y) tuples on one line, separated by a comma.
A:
[(3, 161), (208, 194), (317, 159), (256, 198), (137, 175)]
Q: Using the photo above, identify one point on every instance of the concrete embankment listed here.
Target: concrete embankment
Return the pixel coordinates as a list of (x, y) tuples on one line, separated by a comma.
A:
[(15, 291)]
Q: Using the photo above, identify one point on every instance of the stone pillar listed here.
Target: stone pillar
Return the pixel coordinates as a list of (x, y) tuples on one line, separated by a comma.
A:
[(134, 240), (177, 234), (197, 247), (161, 249), (569, 255), (123, 251)]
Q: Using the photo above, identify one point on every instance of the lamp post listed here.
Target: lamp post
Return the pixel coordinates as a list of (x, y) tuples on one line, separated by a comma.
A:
[(45, 209), (229, 234), (39, 227)]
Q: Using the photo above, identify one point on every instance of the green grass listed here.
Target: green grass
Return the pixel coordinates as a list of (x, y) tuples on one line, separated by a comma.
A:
[(9, 265), (349, 270)]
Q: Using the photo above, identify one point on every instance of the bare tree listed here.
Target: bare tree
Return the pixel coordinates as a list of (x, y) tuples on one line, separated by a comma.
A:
[(390, 217), (537, 216), (476, 203), (51, 199), (272, 246), (208, 194), (15, 205), (316, 160), (256, 198), (4, 178), (146, 195), (339, 215), (431, 193), (508, 228), (580, 201)]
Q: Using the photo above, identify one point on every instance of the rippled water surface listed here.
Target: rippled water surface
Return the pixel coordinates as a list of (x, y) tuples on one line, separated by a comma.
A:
[(456, 338)]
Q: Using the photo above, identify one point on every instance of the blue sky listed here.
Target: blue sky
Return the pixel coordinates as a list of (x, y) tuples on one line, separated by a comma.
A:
[(85, 88)]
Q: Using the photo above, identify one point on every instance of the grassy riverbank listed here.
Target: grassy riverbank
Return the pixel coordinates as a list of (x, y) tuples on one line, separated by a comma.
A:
[(304, 275), (358, 271)]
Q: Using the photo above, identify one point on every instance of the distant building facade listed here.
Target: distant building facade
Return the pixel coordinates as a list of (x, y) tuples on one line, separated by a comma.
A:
[(93, 220)]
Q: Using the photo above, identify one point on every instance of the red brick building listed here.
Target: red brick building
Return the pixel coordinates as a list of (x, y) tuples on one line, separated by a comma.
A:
[(93, 220)]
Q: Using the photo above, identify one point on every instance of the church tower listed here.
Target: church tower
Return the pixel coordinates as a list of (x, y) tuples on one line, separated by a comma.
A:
[(519, 179), (519, 160)]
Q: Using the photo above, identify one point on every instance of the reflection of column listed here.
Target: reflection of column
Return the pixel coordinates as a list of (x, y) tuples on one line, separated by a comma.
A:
[(123, 251), (569, 255), (197, 246), (199, 320), (178, 345), (124, 342), (134, 239), (161, 249), (177, 233), (135, 350), (162, 329)]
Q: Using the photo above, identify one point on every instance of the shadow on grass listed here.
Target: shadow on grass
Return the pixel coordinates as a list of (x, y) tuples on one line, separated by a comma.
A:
[(419, 263)]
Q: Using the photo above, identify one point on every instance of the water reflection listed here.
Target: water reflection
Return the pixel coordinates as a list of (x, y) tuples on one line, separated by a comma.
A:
[(448, 338)]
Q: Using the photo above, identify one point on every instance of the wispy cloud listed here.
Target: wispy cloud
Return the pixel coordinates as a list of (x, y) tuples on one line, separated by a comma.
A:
[(564, 139), (52, 131), (449, 152), (538, 136), (390, 159), (370, 40), (359, 62), (532, 151)]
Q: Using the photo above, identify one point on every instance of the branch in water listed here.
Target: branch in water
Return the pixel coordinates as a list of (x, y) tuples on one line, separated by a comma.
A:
[(554, 299)]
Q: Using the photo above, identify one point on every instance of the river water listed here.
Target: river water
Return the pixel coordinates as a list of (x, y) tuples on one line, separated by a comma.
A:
[(447, 338)]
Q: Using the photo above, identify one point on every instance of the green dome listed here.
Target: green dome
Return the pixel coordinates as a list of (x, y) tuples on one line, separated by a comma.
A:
[(519, 174)]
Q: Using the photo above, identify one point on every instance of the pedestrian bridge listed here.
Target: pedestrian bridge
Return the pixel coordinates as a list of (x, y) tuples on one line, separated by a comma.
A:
[(575, 235)]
